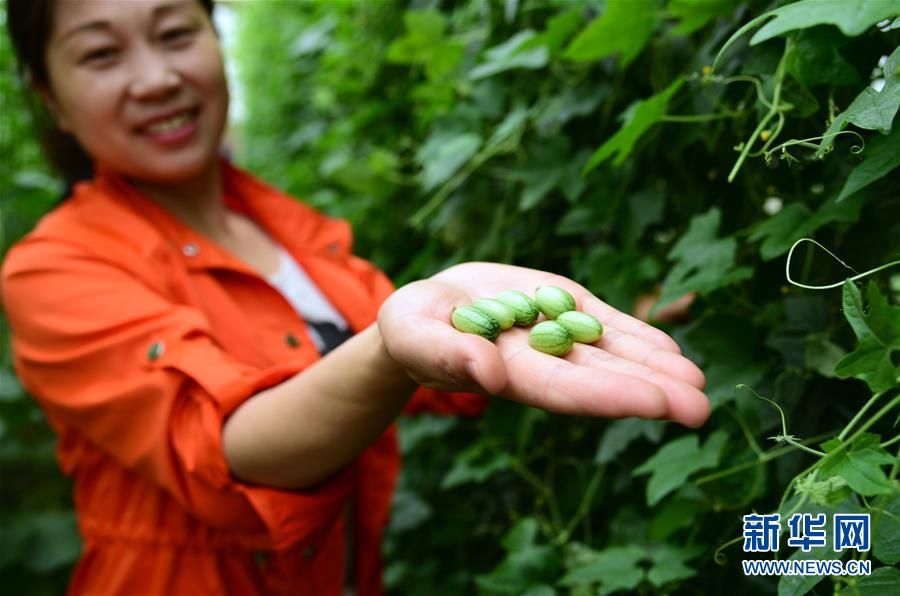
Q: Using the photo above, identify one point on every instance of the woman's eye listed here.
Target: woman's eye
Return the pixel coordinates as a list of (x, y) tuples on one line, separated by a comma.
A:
[(177, 34), (99, 54)]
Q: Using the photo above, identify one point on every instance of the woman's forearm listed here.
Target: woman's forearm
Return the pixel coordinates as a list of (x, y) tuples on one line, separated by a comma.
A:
[(301, 432)]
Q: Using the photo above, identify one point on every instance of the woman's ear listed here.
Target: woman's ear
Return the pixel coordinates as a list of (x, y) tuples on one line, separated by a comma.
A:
[(53, 107)]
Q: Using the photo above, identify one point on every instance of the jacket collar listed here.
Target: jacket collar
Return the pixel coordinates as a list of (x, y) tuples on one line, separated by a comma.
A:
[(299, 228)]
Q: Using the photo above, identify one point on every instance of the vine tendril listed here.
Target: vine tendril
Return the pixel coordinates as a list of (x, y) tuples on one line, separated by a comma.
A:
[(858, 275)]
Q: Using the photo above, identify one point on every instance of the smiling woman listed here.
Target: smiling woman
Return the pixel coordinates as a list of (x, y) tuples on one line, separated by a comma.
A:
[(158, 95), (33, 26), (223, 373)]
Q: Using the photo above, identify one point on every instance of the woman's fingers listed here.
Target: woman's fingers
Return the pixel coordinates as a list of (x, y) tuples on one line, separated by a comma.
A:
[(686, 403), (558, 385), (637, 349)]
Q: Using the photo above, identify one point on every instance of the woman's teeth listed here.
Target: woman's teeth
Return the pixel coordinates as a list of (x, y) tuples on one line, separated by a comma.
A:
[(171, 124)]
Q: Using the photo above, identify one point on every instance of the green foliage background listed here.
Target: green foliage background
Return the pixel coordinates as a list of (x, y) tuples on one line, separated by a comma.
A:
[(594, 139), (38, 540)]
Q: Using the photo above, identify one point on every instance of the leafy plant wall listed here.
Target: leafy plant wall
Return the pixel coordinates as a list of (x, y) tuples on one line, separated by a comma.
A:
[(635, 146), (38, 540)]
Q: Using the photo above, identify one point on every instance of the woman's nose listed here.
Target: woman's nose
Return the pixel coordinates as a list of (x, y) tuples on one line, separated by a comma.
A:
[(153, 75)]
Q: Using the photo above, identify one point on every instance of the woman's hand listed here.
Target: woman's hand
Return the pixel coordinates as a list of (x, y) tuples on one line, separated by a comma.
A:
[(633, 370)]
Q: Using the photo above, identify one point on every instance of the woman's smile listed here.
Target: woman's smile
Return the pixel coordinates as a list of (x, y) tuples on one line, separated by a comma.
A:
[(172, 129)]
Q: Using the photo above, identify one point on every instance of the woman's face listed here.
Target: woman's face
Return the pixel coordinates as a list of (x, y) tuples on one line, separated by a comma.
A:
[(140, 84)]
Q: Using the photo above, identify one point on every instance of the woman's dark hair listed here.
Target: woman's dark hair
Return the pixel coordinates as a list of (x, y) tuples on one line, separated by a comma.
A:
[(30, 23)]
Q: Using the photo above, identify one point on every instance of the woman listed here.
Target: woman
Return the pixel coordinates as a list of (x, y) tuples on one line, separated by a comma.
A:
[(173, 318)]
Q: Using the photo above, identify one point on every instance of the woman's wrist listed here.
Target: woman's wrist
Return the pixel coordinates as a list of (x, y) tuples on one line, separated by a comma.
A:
[(384, 363), (322, 417)]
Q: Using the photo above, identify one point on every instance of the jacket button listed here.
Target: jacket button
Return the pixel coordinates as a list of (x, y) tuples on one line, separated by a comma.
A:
[(332, 247), (309, 552), (190, 249), (156, 350), (291, 340)]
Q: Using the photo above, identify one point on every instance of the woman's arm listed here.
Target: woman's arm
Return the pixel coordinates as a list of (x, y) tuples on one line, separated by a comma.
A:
[(301, 432)]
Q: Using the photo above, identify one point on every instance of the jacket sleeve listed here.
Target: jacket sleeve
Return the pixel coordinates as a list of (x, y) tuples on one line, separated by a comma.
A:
[(424, 399), (141, 378)]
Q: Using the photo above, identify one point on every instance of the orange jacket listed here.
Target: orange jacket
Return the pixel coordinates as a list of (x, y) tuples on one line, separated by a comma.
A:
[(138, 337)]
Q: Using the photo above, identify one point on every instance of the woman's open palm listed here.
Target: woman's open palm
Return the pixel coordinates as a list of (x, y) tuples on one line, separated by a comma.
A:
[(632, 370)]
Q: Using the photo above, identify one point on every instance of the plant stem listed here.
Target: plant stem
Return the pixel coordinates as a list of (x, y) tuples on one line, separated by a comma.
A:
[(803, 447), (748, 144), (699, 117), (767, 457), (774, 108), (528, 476), (583, 507), (890, 442), (542, 489), (878, 416), (757, 83), (859, 414), (881, 509), (747, 434), (841, 446)]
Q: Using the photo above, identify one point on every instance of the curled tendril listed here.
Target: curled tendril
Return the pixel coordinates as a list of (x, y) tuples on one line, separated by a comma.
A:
[(809, 143), (787, 268), (784, 437), (784, 433), (719, 556)]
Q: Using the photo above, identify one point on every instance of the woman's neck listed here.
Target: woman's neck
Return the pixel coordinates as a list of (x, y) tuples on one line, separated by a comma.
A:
[(197, 202)]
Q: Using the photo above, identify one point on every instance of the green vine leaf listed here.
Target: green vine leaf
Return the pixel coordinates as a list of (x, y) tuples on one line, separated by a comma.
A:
[(816, 59), (884, 581), (703, 261), (872, 110), (830, 491), (511, 54), (796, 221), (677, 460), (695, 14), (424, 43), (886, 532), (475, 464), (619, 30), (550, 166), (860, 465), (852, 18), (638, 118), (621, 433), (882, 156), (821, 354), (669, 565), (798, 585), (614, 568), (878, 333), (526, 564), (443, 154), (559, 29)]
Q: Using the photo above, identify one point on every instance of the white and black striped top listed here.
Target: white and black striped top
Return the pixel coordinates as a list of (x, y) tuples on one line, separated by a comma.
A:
[(326, 325)]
